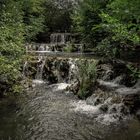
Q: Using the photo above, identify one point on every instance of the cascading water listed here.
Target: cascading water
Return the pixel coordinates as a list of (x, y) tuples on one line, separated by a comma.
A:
[(66, 71), (24, 68), (51, 111), (44, 47), (73, 70), (40, 68), (38, 47), (60, 38)]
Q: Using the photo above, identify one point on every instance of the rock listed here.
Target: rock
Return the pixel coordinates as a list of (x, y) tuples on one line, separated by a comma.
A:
[(74, 88), (105, 71), (104, 108), (132, 101), (97, 101)]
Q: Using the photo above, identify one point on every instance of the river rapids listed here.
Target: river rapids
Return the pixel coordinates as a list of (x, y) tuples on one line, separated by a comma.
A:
[(51, 113), (48, 111)]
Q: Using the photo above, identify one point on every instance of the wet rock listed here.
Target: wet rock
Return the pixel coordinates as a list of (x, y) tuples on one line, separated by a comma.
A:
[(133, 102), (105, 71), (130, 97), (117, 71), (74, 87), (96, 98), (104, 108), (97, 101), (112, 109), (55, 70)]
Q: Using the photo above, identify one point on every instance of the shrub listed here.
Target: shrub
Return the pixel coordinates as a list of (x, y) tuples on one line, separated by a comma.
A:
[(70, 48), (11, 42), (88, 75)]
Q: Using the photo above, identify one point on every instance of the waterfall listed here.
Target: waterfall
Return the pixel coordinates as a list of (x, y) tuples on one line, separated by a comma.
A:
[(38, 47), (41, 48), (73, 70), (109, 100), (60, 38), (40, 67), (44, 47), (25, 68)]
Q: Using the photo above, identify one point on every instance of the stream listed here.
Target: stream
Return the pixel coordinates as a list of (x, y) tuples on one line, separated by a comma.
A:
[(48, 112)]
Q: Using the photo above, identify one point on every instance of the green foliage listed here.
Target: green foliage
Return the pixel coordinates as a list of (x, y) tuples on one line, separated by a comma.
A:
[(57, 15), (19, 21), (70, 48), (11, 29), (34, 11), (105, 49), (88, 75), (119, 31), (11, 42), (110, 26), (86, 20), (121, 22), (134, 71)]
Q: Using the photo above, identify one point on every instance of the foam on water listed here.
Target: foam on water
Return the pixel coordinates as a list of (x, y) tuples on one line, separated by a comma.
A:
[(108, 84), (107, 119), (60, 86), (38, 81), (83, 107)]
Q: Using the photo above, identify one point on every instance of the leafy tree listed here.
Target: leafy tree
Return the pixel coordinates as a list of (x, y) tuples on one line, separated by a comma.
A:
[(111, 26), (57, 15), (87, 19), (11, 40), (33, 18), (57, 18), (121, 22)]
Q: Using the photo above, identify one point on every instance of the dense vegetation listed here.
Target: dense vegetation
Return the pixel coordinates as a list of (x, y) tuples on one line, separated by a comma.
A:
[(110, 26), (11, 40), (13, 32), (107, 26)]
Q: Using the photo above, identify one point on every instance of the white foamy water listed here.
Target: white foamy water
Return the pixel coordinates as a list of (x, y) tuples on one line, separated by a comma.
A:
[(38, 81), (94, 111), (107, 119), (60, 86), (83, 107), (108, 84)]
